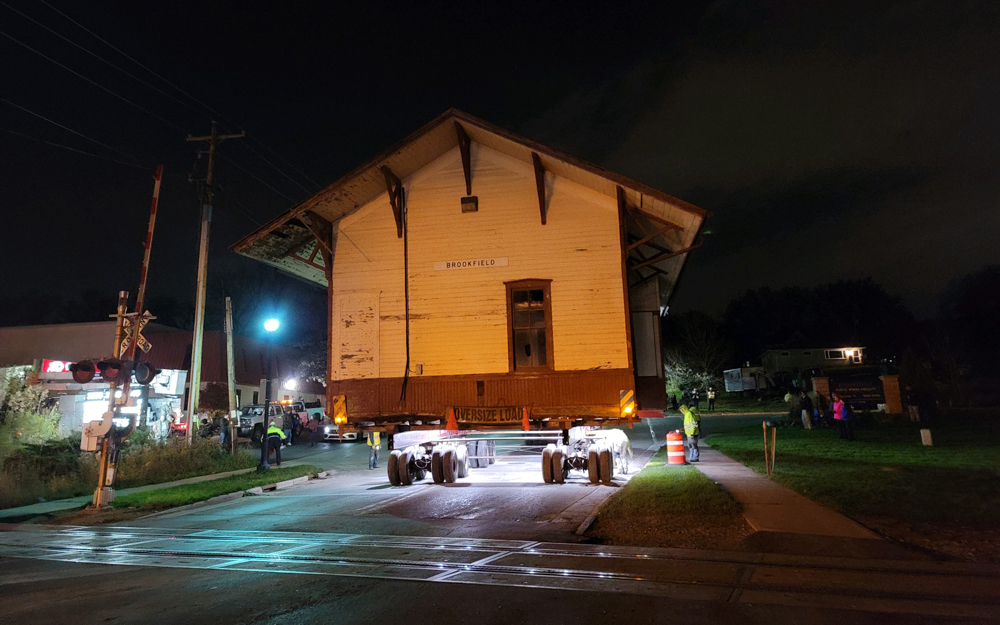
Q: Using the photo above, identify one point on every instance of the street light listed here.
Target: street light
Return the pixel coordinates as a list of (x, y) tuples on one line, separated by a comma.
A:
[(291, 384), (270, 326)]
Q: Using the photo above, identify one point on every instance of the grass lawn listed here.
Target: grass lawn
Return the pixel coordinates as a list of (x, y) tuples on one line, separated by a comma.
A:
[(200, 491), (734, 402), (670, 506), (887, 480)]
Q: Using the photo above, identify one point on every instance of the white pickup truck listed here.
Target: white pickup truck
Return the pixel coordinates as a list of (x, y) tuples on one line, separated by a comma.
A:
[(252, 423)]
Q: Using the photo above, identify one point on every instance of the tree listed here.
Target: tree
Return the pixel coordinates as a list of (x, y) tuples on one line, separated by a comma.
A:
[(695, 350), (214, 399)]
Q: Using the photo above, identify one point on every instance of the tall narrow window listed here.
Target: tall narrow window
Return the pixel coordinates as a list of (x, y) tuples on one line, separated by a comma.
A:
[(530, 325)]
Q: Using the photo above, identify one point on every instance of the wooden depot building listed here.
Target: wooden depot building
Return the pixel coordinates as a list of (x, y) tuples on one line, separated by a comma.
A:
[(468, 266)]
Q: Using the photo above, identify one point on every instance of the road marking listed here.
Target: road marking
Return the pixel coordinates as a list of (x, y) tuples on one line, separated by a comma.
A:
[(955, 589)]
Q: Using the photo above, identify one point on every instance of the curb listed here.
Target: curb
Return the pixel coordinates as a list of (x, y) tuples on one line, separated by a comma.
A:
[(250, 492)]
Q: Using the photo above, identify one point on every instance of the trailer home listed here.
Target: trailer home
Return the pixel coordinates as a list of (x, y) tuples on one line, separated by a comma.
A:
[(481, 279)]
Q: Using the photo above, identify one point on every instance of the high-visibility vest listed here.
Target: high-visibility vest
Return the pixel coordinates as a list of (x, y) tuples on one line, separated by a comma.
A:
[(275, 431), (374, 440), (691, 423)]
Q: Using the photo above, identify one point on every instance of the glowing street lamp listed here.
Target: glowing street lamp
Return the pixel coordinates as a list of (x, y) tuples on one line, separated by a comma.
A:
[(291, 384), (270, 326)]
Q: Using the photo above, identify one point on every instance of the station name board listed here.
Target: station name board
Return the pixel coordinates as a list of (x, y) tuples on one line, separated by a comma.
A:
[(471, 263), (486, 415)]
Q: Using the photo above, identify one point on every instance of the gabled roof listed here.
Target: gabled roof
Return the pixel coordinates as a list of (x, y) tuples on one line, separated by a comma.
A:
[(661, 225)]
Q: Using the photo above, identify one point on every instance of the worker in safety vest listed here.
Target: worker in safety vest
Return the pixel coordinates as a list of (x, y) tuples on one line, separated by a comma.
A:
[(274, 437), (374, 444), (692, 429)]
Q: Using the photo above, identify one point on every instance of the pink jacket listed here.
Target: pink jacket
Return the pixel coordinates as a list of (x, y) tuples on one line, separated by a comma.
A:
[(838, 410)]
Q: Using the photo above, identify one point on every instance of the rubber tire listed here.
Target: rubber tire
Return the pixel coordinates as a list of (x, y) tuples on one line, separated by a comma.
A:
[(392, 467), (462, 453), (607, 465), (558, 474), (492, 451), (547, 464), (403, 466), (594, 464), (257, 434), (436, 473), (483, 450), (449, 466), (419, 475)]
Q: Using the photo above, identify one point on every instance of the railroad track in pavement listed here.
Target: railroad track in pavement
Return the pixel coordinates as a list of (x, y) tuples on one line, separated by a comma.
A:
[(901, 586)]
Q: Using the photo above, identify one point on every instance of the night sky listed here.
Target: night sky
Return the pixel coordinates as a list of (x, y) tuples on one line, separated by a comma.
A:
[(831, 139)]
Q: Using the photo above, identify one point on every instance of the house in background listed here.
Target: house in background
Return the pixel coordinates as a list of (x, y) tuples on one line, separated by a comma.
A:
[(788, 363)]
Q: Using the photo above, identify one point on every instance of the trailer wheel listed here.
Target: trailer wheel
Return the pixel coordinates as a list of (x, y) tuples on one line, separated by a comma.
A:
[(491, 447), (392, 467), (558, 471), (607, 465), (462, 454), (547, 464), (593, 464), (403, 463), (436, 472), (449, 466)]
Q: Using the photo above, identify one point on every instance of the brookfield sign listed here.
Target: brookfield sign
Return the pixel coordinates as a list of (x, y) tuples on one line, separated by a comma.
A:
[(471, 263)]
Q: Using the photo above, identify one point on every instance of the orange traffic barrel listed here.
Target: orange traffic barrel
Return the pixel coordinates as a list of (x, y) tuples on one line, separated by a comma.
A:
[(675, 448)]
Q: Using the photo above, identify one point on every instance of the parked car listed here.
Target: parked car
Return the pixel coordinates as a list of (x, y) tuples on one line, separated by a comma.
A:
[(252, 420), (330, 433)]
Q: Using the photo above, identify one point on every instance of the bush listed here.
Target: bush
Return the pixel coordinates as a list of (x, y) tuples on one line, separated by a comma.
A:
[(51, 471), (151, 463), (59, 469)]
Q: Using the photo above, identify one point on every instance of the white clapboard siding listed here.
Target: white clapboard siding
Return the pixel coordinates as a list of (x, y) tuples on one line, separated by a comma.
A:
[(458, 318)]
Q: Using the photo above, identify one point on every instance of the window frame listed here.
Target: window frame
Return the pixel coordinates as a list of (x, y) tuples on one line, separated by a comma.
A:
[(523, 285)]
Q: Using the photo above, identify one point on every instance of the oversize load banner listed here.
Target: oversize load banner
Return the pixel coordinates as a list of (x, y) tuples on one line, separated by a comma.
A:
[(488, 414)]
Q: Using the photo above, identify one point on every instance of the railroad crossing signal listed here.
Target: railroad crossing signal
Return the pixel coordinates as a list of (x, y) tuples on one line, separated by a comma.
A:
[(133, 323)]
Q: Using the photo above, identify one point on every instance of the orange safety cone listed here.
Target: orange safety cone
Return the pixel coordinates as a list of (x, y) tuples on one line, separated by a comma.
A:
[(525, 423), (450, 423)]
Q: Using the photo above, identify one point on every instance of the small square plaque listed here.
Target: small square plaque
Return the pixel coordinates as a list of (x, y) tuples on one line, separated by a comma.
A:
[(470, 204)]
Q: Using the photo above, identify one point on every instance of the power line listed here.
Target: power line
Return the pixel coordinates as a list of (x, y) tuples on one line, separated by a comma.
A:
[(247, 172), (278, 169), (287, 162), (67, 128), (99, 86), (66, 147), (100, 58), (206, 106)]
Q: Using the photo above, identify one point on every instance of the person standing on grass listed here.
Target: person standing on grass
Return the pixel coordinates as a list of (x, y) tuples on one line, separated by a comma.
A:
[(374, 444), (842, 418), (692, 429), (711, 399), (274, 438), (806, 406)]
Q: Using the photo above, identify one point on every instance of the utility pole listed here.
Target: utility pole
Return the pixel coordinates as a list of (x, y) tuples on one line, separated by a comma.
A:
[(213, 141), (231, 376)]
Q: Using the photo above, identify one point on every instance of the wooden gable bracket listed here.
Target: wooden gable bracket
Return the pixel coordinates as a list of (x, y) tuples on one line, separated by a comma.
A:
[(394, 187), (464, 146), (311, 260), (540, 183), (320, 228), (666, 255)]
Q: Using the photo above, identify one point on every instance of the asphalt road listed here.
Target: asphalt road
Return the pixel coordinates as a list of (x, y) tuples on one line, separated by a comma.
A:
[(499, 547)]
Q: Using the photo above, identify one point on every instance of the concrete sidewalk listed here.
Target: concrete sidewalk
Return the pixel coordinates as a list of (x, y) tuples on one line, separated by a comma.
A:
[(770, 507)]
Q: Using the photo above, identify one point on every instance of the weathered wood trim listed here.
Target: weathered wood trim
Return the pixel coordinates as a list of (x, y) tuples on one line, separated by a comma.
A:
[(540, 184), (394, 187), (665, 256), (546, 286), (623, 243), (568, 394), (649, 237), (464, 146), (321, 229)]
